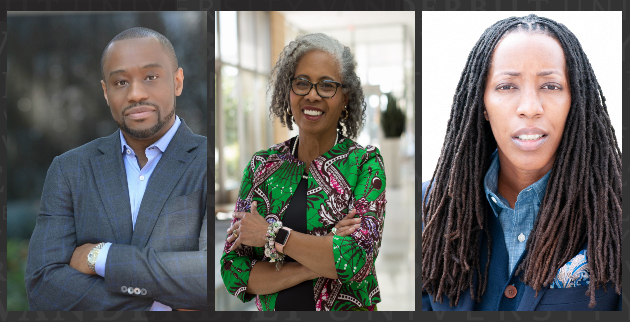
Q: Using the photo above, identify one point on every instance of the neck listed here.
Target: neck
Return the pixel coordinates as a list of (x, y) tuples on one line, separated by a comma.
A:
[(512, 181), (311, 146)]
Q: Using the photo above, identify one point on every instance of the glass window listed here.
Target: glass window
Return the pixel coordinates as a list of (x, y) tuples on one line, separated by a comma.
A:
[(228, 37), (229, 105), (243, 65)]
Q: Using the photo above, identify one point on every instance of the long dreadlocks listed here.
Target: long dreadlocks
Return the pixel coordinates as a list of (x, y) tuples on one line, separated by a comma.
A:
[(583, 198)]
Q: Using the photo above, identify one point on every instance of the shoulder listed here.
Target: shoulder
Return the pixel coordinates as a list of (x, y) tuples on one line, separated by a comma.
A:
[(424, 187), (359, 153), (202, 143), (190, 138), (89, 149), (199, 139), (277, 152), (279, 149)]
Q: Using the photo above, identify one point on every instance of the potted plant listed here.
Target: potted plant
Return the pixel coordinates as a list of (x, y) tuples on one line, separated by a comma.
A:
[(393, 124)]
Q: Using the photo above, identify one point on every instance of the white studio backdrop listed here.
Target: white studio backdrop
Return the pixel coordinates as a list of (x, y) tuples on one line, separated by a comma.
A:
[(448, 37)]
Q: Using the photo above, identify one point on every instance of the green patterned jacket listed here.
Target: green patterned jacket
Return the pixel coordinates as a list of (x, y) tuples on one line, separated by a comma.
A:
[(346, 176)]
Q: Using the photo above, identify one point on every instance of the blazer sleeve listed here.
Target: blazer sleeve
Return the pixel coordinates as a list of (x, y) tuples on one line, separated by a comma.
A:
[(354, 255), (175, 278), (51, 284), (236, 265)]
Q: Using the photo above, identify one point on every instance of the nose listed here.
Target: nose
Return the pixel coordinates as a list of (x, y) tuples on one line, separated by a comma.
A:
[(530, 104), (312, 95), (137, 92)]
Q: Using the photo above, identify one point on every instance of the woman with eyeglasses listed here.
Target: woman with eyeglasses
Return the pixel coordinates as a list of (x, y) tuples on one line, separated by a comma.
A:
[(308, 222)]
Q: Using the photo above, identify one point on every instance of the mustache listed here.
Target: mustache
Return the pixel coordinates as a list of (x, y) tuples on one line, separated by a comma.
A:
[(139, 104)]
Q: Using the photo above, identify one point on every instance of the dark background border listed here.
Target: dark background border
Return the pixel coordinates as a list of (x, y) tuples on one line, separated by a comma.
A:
[(538, 7), (210, 5), (184, 5)]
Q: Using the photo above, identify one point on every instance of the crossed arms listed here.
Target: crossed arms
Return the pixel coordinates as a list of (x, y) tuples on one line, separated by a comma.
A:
[(177, 279)]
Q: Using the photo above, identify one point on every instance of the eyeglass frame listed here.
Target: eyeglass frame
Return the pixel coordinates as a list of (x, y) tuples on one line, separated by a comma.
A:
[(313, 85)]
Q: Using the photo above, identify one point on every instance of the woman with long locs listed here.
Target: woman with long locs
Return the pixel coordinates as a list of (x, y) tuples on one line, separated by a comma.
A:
[(523, 211)]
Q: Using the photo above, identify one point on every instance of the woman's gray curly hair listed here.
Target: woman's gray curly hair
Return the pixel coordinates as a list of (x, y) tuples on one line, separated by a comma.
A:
[(285, 68)]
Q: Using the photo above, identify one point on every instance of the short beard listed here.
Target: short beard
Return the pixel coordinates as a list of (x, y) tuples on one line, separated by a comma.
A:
[(147, 133)]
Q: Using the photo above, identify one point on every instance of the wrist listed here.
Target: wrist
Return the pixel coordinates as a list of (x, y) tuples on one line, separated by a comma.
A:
[(93, 255), (308, 274), (282, 238)]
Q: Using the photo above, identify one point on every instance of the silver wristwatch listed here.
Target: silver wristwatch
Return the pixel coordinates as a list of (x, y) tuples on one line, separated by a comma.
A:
[(91, 260)]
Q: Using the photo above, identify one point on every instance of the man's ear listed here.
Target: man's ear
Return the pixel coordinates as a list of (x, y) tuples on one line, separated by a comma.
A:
[(179, 81), (105, 91)]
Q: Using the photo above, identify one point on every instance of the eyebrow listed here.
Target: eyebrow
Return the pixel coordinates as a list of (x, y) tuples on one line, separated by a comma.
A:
[(305, 76), (152, 65), (542, 73)]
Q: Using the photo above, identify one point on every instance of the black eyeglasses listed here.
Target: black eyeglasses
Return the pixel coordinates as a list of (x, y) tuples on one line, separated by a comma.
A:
[(325, 88)]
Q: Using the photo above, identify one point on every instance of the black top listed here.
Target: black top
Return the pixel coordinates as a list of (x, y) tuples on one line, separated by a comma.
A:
[(300, 297)]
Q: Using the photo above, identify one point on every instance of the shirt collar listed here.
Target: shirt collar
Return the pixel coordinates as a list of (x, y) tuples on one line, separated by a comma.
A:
[(491, 185), (162, 143)]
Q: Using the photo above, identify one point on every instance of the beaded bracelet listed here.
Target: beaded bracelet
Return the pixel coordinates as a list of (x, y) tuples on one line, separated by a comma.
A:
[(270, 247)]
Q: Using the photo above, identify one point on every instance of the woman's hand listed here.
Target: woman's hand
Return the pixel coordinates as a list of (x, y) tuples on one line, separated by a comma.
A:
[(347, 225), (251, 229)]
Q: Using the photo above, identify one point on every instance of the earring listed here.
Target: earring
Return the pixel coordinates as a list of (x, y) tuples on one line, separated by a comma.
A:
[(347, 113), (289, 111)]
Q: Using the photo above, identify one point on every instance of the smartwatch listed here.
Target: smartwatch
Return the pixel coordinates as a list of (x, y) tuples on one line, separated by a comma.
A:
[(281, 238)]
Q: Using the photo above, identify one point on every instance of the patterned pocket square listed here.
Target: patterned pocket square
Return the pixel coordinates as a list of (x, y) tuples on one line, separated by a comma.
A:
[(574, 273)]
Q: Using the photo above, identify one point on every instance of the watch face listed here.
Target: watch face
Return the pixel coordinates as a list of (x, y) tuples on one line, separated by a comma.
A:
[(281, 236)]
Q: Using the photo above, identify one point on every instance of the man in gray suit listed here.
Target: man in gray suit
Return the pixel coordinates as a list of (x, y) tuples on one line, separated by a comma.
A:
[(122, 224)]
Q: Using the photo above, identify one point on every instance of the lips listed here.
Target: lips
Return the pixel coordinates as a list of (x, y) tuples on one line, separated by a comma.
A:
[(529, 138), (529, 131), (139, 112), (312, 113)]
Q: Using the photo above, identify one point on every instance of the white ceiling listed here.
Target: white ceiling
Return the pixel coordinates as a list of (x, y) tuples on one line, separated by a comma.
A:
[(313, 21)]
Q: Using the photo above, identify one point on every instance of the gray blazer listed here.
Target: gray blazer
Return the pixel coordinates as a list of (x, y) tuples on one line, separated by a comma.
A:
[(86, 200)]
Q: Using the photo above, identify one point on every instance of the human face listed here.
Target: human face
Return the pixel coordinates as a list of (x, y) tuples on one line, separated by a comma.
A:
[(527, 93), (316, 66), (140, 87)]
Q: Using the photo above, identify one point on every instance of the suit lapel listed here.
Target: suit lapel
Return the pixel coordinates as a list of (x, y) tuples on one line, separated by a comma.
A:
[(111, 182), (174, 162)]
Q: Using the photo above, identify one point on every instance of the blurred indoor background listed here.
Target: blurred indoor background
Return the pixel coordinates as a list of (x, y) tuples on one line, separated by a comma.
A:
[(56, 103), (247, 45)]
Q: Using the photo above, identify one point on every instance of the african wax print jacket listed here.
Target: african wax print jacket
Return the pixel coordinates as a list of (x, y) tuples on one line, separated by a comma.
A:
[(346, 176)]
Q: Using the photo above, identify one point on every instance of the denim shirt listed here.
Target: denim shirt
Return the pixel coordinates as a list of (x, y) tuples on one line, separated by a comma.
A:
[(517, 223)]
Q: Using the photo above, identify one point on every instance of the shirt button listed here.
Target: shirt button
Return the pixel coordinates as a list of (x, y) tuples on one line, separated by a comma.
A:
[(143, 291), (123, 289), (510, 292), (128, 151), (141, 178), (130, 290), (136, 291), (493, 200), (521, 237)]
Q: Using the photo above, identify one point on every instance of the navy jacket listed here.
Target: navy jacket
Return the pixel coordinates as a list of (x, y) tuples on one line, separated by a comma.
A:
[(558, 299)]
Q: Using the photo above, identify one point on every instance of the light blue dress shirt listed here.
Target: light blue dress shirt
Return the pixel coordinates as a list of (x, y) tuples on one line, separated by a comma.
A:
[(517, 223), (137, 180)]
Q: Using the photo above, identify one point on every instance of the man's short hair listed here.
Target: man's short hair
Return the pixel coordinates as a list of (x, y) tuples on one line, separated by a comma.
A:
[(140, 32)]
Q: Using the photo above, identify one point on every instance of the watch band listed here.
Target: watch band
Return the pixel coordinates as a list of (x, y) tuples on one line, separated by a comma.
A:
[(280, 244), (92, 255)]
